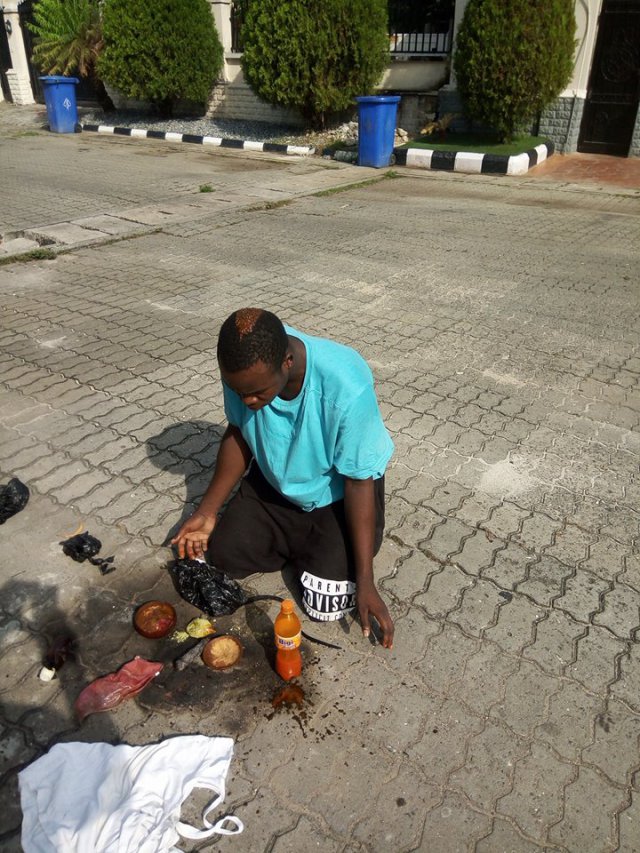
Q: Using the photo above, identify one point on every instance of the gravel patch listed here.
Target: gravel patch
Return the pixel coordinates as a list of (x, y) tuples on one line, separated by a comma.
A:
[(254, 131)]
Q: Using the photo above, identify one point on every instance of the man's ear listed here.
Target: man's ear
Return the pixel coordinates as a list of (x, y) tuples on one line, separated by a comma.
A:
[(288, 360)]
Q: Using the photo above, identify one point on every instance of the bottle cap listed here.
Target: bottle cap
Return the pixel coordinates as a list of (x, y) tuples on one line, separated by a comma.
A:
[(287, 606)]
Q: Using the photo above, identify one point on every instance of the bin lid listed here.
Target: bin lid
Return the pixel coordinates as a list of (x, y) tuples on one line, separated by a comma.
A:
[(378, 99), (58, 78)]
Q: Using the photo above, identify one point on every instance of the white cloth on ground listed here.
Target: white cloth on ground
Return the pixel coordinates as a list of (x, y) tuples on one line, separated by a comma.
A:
[(98, 798)]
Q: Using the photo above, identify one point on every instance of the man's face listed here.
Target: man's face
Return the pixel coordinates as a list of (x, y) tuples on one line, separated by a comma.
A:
[(258, 385)]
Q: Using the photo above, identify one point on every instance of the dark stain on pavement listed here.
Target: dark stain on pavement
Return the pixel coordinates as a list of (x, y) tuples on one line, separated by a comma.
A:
[(233, 700)]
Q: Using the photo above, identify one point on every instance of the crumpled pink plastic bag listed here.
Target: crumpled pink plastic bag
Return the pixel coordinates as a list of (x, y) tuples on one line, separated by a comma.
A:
[(110, 690)]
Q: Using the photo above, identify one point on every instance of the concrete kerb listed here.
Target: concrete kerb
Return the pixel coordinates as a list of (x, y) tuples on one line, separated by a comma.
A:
[(216, 141), (48, 242), (418, 158), (473, 163)]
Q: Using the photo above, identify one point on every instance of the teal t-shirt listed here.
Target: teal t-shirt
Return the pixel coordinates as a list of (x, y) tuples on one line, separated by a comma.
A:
[(333, 429)]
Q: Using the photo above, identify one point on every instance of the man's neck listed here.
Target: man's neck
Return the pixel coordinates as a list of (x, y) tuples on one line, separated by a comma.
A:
[(298, 369)]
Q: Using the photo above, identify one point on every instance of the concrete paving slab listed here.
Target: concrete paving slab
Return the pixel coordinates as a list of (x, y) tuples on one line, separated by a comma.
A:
[(17, 246), (158, 215), (106, 224), (65, 233)]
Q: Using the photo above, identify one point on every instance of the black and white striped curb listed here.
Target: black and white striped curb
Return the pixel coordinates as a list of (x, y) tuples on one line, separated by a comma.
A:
[(418, 158), (216, 141), (473, 163)]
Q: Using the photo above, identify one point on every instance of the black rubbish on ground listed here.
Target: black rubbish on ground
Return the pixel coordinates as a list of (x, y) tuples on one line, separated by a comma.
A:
[(60, 649), (208, 589), (83, 547), (13, 498)]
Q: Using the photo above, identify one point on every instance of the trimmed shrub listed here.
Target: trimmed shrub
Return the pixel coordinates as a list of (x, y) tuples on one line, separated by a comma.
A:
[(314, 57), (513, 58), (161, 50)]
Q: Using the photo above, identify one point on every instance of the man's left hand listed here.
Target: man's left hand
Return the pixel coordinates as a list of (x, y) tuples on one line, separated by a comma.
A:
[(370, 604)]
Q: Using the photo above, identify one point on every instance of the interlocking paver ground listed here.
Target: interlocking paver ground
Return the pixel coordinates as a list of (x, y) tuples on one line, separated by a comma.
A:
[(500, 318)]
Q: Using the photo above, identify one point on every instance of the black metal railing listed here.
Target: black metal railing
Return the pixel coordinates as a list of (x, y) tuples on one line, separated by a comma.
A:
[(420, 27), (421, 44), (238, 15), (416, 29)]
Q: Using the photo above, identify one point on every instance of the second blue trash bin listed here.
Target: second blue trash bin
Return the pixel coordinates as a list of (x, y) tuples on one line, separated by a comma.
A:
[(60, 98), (376, 129)]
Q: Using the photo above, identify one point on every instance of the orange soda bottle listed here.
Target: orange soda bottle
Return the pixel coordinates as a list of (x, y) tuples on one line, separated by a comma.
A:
[(288, 634)]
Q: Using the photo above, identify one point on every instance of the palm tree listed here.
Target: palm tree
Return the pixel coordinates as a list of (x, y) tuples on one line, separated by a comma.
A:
[(69, 39)]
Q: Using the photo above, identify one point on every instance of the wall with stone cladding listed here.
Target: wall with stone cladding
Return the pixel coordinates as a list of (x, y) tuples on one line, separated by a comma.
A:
[(235, 100), (561, 123), (449, 101), (634, 151), (415, 109), (20, 88)]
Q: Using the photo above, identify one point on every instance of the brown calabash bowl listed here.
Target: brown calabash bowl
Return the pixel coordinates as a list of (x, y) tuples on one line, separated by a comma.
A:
[(155, 619), (222, 652)]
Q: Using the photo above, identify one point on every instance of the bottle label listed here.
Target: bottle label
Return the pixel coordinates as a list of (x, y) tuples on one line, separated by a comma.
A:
[(288, 642)]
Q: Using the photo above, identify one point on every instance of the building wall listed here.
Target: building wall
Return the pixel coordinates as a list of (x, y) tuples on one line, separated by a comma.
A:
[(415, 75), (18, 76), (634, 151), (561, 122), (415, 79), (232, 98), (587, 12)]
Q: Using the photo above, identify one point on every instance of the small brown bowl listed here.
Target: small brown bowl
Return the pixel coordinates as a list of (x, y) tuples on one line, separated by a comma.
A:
[(155, 619), (222, 652)]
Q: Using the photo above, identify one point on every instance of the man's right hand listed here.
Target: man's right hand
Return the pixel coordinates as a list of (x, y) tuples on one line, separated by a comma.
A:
[(193, 537)]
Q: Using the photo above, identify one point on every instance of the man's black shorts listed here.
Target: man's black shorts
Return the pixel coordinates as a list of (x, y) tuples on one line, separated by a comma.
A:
[(261, 531)]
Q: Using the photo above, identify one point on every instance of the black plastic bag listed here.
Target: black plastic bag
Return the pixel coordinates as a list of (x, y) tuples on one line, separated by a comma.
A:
[(83, 547), (13, 498), (208, 589)]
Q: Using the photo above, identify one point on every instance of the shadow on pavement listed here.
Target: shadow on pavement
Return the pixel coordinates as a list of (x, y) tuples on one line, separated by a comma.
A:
[(37, 714), (189, 449)]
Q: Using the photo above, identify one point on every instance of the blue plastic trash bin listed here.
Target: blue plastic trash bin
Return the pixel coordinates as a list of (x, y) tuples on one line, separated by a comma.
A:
[(60, 98), (376, 129)]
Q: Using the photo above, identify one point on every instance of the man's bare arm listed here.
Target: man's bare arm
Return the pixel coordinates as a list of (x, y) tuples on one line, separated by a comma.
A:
[(232, 461), (360, 512)]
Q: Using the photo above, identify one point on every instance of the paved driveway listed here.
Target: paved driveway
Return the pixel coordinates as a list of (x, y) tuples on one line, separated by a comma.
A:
[(500, 317)]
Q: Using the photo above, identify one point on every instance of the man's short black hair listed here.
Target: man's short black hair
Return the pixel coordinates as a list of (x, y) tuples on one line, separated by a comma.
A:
[(250, 335)]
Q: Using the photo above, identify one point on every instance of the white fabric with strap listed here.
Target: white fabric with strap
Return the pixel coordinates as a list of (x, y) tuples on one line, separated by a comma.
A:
[(98, 798)]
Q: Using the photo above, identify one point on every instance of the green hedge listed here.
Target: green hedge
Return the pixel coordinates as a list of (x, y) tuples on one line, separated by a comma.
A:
[(314, 57), (161, 50), (513, 58)]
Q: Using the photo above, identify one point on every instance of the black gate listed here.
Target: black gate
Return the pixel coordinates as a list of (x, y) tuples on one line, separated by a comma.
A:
[(5, 59), (614, 85), (26, 16), (85, 90)]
